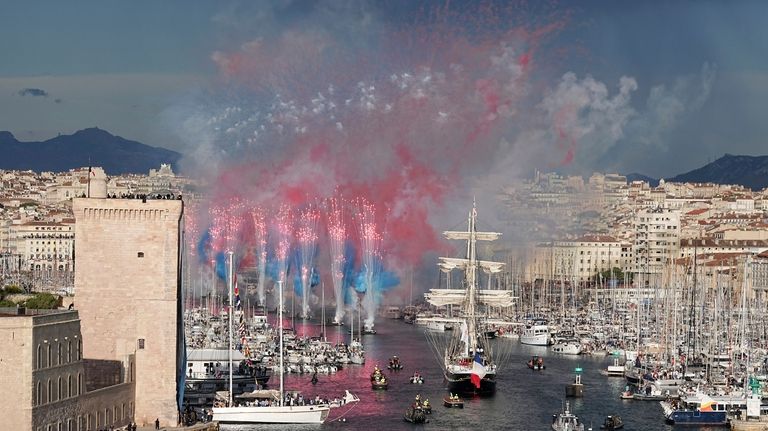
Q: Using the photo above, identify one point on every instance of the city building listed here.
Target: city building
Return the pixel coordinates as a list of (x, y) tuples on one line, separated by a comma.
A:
[(657, 240), (47, 383)]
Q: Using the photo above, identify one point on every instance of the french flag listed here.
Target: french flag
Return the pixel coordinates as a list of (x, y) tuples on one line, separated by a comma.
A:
[(478, 371)]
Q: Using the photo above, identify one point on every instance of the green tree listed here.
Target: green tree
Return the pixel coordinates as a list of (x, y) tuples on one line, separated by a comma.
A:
[(12, 289), (613, 273), (43, 301), (6, 303)]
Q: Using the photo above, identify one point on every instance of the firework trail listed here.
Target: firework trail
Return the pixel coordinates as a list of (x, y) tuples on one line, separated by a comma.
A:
[(337, 235), (284, 231), (306, 239), (370, 239), (258, 219)]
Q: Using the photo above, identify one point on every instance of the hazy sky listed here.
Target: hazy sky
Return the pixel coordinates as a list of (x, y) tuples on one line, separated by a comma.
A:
[(697, 71)]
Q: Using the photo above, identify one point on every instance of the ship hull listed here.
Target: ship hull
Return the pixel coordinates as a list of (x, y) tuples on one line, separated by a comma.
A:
[(271, 415), (462, 384)]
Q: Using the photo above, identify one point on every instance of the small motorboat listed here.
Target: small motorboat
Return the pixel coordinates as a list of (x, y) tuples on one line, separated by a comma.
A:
[(612, 423), (394, 364), (536, 363), (417, 379), (380, 383), (566, 421), (415, 414), (427, 407), (376, 373), (627, 395), (453, 401)]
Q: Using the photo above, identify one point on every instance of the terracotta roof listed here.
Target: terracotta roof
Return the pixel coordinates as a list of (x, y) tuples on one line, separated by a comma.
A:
[(697, 211)]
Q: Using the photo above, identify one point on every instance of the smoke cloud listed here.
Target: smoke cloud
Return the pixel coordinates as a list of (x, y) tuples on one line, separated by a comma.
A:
[(415, 117)]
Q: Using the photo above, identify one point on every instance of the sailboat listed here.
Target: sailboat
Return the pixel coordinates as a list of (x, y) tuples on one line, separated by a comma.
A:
[(273, 409), (468, 363)]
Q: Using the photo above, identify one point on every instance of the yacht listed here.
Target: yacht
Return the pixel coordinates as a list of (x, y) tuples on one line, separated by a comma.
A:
[(536, 335), (567, 347), (275, 409), (393, 312)]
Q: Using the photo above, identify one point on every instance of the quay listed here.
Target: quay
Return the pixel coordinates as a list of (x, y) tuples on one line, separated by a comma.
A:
[(208, 426)]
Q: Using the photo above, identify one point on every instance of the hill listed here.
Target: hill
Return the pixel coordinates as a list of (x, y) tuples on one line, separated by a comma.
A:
[(748, 171), (114, 153)]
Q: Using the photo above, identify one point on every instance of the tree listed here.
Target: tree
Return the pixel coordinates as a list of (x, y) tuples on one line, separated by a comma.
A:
[(43, 301), (613, 273), (12, 289)]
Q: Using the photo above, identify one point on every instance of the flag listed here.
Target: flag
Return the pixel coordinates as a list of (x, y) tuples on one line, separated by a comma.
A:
[(241, 326), (478, 370)]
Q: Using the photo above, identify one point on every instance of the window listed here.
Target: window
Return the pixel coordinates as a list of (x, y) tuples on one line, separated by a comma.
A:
[(69, 351), (79, 350), (140, 254), (79, 384), (40, 364), (61, 354), (60, 392), (40, 400), (49, 394), (70, 386), (49, 356), (141, 343)]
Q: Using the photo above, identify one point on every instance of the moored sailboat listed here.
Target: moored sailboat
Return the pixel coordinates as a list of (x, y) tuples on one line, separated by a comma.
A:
[(275, 410)]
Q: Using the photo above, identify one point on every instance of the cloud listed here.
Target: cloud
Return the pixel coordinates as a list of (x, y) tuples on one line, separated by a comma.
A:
[(34, 92), (582, 124)]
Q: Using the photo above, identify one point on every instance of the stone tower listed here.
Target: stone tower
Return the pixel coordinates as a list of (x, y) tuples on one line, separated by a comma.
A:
[(127, 291)]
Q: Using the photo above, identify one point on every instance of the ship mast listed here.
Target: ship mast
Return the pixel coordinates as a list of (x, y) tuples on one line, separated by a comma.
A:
[(471, 280)]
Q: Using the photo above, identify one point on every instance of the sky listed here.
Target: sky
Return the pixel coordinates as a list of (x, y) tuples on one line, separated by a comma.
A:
[(654, 87)]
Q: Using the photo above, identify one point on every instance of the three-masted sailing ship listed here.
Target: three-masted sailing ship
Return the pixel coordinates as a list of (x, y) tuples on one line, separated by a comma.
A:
[(468, 362)]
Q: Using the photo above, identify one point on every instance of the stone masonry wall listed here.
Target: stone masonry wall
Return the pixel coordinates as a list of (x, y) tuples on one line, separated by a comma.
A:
[(126, 284)]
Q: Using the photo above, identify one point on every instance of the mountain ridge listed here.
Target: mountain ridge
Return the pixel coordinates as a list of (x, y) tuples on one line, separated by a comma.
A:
[(747, 171), (92, 146)]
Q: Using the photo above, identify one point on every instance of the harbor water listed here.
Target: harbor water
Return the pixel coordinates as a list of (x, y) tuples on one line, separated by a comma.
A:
[(524, 400)]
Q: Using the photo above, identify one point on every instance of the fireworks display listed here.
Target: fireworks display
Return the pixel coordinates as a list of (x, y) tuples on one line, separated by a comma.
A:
[(370, 239), (395, 128), (306, 239), (260, 250), (337, 235)]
